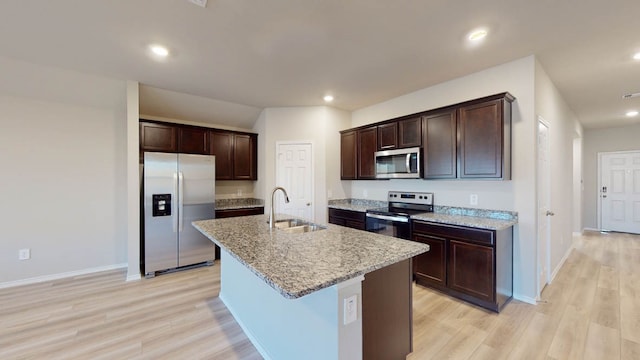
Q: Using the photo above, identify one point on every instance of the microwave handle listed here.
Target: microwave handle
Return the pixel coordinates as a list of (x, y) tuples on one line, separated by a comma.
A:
[(408, 163)]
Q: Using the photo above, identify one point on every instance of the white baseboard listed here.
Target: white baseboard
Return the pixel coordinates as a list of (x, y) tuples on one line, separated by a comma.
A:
[(576, 233), (526, 299), (39, 279), (134, 277), (557, 269), (590, 229)]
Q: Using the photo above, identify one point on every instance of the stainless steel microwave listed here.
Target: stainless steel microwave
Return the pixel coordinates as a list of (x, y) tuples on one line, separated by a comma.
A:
[(398, 164)]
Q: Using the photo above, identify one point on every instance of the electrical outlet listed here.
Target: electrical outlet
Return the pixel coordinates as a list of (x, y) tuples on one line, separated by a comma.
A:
[(350, 309), (24, 254), (473, 199), (239, 192), (365, 193)]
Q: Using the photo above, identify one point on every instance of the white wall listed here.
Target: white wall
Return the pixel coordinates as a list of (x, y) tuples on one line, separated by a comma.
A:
[(563, 128), (602, 140), (516, 77), (64, 175), (319, 125)]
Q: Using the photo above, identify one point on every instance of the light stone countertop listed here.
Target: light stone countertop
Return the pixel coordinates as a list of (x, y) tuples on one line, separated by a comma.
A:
[(472, 217), (238, 203), (471, 221), (299, 264)]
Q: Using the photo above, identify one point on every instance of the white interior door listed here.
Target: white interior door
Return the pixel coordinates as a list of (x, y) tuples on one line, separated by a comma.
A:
[(294, 172), (620, 191), (544, 204)]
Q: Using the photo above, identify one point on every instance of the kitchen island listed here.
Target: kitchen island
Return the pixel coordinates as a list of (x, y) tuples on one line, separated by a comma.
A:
[(300, 295)]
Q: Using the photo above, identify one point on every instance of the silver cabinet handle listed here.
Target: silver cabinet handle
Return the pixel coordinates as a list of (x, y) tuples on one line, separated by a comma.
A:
[(550, 213)]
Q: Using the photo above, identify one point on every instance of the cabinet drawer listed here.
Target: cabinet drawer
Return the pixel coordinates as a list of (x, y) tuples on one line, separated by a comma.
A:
[(346, 214), (480, 236)]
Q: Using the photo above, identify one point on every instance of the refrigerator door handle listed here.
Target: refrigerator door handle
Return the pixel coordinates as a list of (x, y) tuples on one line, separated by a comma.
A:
[(175, 193), (180, 201)]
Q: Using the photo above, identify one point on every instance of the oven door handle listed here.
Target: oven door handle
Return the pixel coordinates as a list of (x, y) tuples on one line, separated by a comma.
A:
[(390, 218)]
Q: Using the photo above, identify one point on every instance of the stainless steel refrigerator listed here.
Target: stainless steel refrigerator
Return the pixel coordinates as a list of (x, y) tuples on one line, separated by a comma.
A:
[(178, 189)]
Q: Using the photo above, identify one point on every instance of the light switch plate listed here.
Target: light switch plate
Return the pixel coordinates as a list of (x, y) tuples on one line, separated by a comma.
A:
[(350, 309)]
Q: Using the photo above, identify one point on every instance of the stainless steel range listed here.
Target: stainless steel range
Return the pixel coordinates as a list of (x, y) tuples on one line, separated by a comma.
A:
[(394, 219)]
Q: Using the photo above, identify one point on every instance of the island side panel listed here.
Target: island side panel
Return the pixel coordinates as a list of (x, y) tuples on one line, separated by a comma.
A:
[(310, 327), (387, 312)]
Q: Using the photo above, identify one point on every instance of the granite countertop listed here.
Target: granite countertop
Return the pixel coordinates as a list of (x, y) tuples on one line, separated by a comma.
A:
[(356, 204), (471, 221), (472, 217), (239, 203), (299, 264)]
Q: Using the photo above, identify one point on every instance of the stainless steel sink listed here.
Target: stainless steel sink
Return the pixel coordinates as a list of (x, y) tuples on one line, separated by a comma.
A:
[(297, 226)]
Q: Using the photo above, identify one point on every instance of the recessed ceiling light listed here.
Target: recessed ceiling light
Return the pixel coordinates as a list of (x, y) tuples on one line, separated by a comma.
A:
[(632, 113), (328, 98), (636, 56), (159, 50), (477, 35)]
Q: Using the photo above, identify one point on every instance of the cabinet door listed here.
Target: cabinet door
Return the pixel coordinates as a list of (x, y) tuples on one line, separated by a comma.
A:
[(387, 136), (221, 145), (244, 157), (348, 155), (440, 145), (158, 137), (471, 270), (480, 128), (431, 267), (192, 140), (367, 146), (410, 132)]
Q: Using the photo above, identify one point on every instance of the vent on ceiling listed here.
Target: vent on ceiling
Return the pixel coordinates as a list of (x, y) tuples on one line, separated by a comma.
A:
[(629, 96), (202, 3)]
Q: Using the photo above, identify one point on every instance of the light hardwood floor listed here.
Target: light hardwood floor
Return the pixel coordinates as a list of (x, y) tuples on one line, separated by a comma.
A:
[(590, 311)]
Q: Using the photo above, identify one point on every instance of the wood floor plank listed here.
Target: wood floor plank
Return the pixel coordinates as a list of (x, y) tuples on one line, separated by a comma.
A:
[(602, 343), (590, 310)]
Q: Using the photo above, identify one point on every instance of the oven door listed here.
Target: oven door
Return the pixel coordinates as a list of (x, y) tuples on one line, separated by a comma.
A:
[(396, 226)]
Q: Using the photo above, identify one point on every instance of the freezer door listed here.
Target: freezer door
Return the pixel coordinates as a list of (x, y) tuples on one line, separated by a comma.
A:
[(196, 177), (161, 225)]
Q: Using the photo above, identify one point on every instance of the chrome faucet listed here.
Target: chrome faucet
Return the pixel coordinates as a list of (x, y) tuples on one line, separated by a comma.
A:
[(286, 199)]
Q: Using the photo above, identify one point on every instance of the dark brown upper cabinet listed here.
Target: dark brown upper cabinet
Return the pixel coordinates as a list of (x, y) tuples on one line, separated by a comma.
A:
[(222, 147), (484, 138), (470, 140), (410, 132), (158, 137), (348, 155), (236, 155), (245, 157), (236, 152), (367, 146), (193, 140), (439, 133), (388, 136)]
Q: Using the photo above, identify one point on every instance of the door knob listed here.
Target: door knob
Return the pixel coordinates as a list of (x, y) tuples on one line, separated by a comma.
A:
[(550, 213), (308, 204)]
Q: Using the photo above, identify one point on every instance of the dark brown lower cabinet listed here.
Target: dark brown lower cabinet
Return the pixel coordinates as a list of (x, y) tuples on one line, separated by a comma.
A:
[(348, 218), (239, 212), (387, 313), (472, 264)]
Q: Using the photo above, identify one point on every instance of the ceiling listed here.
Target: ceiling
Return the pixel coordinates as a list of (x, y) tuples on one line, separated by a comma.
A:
[(245, 55)]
